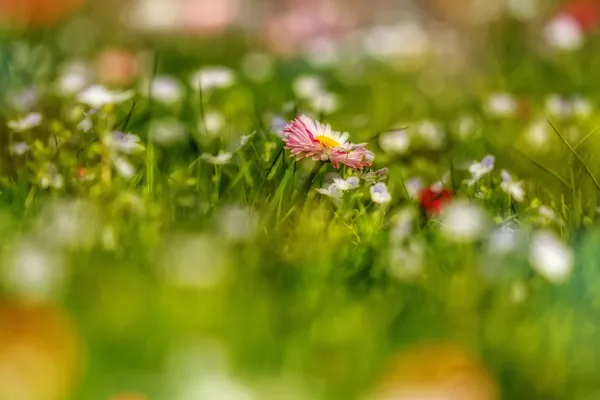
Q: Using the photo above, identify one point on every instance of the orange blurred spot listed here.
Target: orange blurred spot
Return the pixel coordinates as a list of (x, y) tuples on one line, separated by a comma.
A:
[(117, 67), (129, 396), (40, 354), (37, 13), (437, 370)]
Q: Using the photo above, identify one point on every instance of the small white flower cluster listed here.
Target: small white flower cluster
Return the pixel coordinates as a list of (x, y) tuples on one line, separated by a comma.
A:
[(479, 169), (121, 145), (335, 186)]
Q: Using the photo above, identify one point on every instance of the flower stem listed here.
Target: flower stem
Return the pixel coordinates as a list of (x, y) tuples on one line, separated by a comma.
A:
[(313, 175)]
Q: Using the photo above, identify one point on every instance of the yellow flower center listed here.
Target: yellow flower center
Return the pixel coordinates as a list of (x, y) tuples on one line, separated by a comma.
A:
[(327, 141)]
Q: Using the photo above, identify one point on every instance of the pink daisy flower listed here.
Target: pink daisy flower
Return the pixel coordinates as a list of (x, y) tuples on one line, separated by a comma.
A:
[(307, 138)]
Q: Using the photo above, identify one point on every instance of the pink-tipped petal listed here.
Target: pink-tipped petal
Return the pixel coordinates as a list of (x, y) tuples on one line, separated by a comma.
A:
[(300, 140), (356, 158)]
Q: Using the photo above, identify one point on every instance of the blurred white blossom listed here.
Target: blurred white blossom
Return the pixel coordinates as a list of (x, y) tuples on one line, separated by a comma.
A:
[(33, 271), (307, 86), (126, 143), (551, 257), (165, 89), (331, 190), (396, 141), (98, 96), (221, 158), (564, 33), (513, 188), (123, 167), (26, 123), (347, 184), (431, 133), (326, 102), (501, 105), (19, 148), (463, 222), (210, 78), (49, 177), (414, 187), (213, 122), (74, 77)]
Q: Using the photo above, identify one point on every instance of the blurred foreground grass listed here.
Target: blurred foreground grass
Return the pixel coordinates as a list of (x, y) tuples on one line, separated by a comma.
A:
[(147, 263)]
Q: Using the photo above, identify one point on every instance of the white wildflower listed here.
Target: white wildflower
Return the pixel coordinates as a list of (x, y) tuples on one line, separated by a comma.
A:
[(216, 386), (126, 143), (557, 106), (98, 96), (50, 177), (397, 141), (123, 167), (73, 78), (513, 188), (19, 148), (221, 158), (564, 33), (332, 190), (538, 134), (33, 271), (403, 225), (501, 105), (85, 125), (326, 102), (432, 134), (414, 187), (213, 122), (581, 107), (278, 125), (210, 78), (347, 184), (481, 168), (463, 222), (551, 257), (26, 123), (380, 193), (307, 86), (547, 213), (503, 240), (165, 89)]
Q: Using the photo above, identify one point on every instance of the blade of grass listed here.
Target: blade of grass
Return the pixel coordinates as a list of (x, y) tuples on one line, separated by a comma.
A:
[(586, 137), (577, 156), (544, 168)]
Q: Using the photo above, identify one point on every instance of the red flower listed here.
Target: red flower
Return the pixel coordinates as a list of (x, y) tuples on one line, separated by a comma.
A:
[(432, 199), (585, 12), (80, 172)]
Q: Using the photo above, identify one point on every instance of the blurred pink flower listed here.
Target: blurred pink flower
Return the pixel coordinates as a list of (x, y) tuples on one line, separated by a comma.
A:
[(288, 31), (117, 67), (208, 17), (307, 138)]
